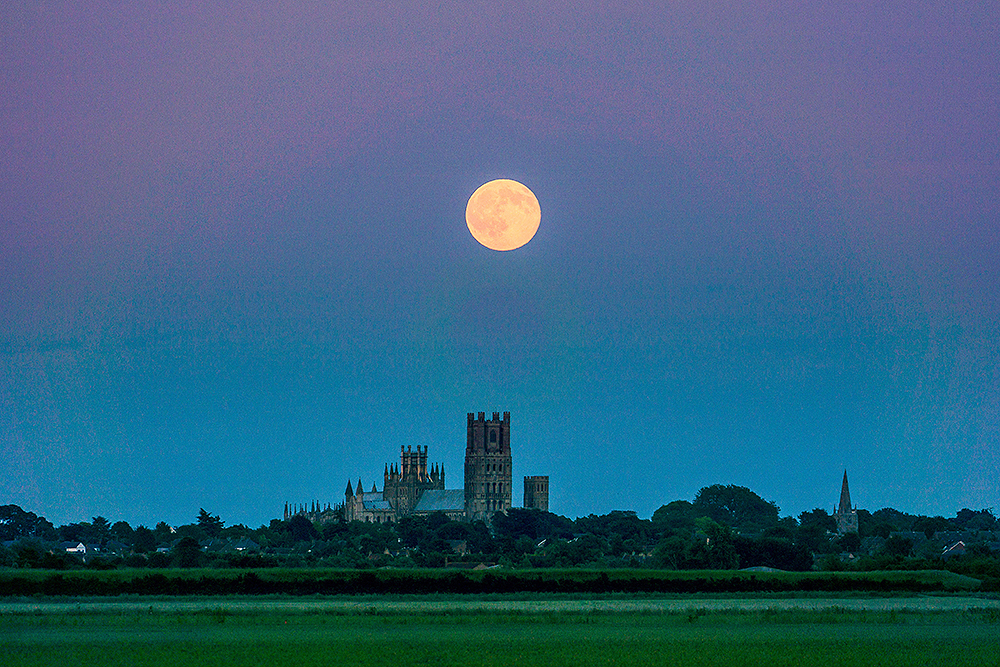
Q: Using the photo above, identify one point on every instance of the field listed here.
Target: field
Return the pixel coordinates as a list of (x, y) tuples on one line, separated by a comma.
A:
[(498, 630)]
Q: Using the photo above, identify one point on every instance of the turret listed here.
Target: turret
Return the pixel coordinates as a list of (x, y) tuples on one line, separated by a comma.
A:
[(349, 492)]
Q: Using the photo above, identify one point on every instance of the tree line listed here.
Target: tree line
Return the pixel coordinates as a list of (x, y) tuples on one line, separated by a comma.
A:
[(723, 527)]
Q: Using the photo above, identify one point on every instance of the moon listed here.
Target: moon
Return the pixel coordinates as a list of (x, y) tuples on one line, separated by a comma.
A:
[(503, 214)]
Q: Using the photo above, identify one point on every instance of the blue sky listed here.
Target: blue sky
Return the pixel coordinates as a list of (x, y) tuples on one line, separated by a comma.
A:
[(235, 270)]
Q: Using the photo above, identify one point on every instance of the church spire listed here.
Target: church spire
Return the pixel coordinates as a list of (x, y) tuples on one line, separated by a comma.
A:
[(845, 497)]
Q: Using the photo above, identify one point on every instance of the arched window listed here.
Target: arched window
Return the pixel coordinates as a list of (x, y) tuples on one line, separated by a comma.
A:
[(493, 436)]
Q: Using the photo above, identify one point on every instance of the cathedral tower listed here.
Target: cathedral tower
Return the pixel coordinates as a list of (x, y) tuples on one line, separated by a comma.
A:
[(403, 486), (536, 492), (487, 466)]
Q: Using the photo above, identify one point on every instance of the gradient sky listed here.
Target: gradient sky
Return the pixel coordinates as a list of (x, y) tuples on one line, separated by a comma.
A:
[(235, 271)]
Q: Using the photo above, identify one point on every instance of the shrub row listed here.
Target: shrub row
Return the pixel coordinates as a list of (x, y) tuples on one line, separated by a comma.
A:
[(382, 582)]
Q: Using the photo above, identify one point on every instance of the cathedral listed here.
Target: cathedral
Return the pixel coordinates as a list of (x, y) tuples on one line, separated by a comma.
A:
[(410, 488)]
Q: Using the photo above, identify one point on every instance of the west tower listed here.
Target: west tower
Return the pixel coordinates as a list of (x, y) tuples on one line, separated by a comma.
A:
[(487, 466)]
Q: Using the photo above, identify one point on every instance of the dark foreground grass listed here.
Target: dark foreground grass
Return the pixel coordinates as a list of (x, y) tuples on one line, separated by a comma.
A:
[(370, 636), (288, 581)]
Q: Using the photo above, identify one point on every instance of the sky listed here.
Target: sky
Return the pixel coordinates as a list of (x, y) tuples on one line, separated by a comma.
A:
[(235, 270)]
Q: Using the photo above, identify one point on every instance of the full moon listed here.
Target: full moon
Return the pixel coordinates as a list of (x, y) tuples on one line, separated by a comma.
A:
[(503, 214)]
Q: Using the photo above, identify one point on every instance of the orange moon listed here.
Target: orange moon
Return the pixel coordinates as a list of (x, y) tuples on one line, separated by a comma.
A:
[(503, 214)]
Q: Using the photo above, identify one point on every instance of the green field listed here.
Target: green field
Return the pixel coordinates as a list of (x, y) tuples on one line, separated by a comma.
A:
[(377, 631)]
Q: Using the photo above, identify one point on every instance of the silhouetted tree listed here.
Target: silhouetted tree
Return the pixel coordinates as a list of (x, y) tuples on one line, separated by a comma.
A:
[(675, 517), (737, 507), (15, 523), (211, 524), (721, 549), (143, 540), (187, 553), (101, 528), (625, 524), (533, 523), (79, 532), (897, 546), (302, 529), (122, 531), (849, 542), (972, 520), (164, 533), (669, 554)]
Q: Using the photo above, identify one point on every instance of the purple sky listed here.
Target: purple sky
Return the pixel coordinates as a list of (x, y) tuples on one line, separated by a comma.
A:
[(234, 269)]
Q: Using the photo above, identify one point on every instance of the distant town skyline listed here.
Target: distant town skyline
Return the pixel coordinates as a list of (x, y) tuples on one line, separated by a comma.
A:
[(235, 267)]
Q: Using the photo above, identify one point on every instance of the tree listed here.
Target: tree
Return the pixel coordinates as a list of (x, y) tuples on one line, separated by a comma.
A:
[(187, 553), (143, 540), (898, 520), (163, 530), (850, 542), (302, 529), (865, 523), (533, 523), (930, 525), (101, 528), (79, 532), (15, 523), (737, 507), (897, 546), (669, 553), (721, 548), (625, 524), (675, 517), (971, 520), (785, 529), (819, 518), (814, 530), (122, 531), (212, 525)]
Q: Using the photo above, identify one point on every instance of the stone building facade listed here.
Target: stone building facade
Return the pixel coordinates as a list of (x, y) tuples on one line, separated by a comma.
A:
[(403, 486), (536, 492), (487, 466)]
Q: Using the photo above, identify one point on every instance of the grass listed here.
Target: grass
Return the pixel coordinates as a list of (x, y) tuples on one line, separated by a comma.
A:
[(241, 631)]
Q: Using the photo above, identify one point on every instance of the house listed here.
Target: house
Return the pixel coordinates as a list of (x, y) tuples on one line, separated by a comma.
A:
[(116, 547), (956, 549), (74, 547), (246, 545), (459, 547)]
